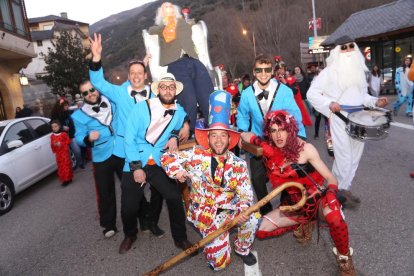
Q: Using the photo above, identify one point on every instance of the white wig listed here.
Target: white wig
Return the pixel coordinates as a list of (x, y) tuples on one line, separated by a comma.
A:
[(159, 19)]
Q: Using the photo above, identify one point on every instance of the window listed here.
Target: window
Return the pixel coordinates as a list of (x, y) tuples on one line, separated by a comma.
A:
[(18, 17), (12, 17), (39, 43), (18, 131), (6, 15), (40, 127)]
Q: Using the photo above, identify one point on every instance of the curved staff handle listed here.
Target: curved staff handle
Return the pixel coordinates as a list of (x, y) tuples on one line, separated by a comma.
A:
[(232, 223)]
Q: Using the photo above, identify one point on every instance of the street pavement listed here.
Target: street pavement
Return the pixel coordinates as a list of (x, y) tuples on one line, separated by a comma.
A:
[(54, 230)]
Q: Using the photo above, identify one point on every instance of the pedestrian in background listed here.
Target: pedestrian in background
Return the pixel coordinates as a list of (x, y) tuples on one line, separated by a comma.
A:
[(59, 142), (404, 88), (376, 81), (62, 113)]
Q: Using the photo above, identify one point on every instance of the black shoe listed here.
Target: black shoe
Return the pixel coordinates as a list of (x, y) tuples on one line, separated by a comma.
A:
[(248, 259), (184, 245), (126, 244), (144, 225), (66, 183), (155, 230)]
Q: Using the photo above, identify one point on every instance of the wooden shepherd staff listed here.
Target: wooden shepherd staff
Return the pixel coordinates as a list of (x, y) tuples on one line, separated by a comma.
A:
[(232, 223)]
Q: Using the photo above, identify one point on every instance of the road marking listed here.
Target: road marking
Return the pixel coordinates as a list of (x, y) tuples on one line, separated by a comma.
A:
[(253, 270), (406, 126)]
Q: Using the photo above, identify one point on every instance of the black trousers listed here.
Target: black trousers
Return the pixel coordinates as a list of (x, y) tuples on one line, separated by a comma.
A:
[(105, 189), (161, 184), (259, 180)]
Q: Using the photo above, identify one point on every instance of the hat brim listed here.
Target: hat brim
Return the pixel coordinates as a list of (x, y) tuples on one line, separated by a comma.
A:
[(178, 84), (201, 136)]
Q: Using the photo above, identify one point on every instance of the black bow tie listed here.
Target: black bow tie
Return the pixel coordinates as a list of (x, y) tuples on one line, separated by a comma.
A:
[(169, 111), (143, 93), (264, 94), (98, 107)]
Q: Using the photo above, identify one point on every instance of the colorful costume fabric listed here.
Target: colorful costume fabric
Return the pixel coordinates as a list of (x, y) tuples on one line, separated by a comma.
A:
[(60, 147), (405, 90), (216, 199), (305, 174)]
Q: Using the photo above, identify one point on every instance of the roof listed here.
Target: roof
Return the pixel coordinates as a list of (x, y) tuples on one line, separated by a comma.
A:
[(48, 34), (41, 35), (375, 21), (53, 18)]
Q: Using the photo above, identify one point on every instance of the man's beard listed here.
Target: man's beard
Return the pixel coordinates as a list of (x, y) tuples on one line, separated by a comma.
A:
[(98, 100), (165, 101), (350, 70), (219, 152)]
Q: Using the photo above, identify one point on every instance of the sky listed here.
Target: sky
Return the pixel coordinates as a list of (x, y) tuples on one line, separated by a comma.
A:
[(86, 11)]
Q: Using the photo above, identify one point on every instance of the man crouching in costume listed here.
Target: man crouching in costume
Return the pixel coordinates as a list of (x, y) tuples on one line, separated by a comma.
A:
[(178, 53), (289, 158), (221, 188)]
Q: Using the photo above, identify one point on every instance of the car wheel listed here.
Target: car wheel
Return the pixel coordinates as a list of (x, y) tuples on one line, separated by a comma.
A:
[(6, 195), (73, 160)]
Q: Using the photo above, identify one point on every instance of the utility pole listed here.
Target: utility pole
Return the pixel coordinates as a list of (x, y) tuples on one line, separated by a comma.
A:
[(315, 32)]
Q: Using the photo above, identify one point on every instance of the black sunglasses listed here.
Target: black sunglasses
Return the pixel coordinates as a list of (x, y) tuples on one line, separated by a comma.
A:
[(259, 70), (345, 46), (85, 93)]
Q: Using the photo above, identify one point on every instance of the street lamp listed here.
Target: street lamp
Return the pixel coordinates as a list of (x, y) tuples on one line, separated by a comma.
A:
[(244, 32), (23, 79)]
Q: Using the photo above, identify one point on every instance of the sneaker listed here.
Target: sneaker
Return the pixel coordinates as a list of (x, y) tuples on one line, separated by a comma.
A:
[(248, 259), (108, 233), (156, 231)]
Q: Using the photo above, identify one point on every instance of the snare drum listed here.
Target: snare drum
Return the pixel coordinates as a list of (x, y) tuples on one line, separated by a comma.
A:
[(369, 124)]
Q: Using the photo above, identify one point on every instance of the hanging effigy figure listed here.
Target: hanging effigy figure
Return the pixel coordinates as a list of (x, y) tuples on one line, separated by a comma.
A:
[(179, 46)]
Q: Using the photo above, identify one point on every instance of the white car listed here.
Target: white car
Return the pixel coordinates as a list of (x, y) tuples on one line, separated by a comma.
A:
[(25, 156)]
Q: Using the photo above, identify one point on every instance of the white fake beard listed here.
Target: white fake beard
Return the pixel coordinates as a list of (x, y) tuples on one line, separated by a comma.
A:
[(350, 71)]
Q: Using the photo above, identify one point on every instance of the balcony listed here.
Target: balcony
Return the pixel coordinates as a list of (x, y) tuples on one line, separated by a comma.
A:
[(15, 49)]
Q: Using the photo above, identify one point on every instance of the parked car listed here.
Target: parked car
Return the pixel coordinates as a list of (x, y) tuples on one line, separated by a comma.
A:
[(25, 156)]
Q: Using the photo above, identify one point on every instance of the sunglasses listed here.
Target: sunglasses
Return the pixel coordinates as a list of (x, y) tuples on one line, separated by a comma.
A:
[(261, 70), (170, 87), (85, 93), (345, 46)]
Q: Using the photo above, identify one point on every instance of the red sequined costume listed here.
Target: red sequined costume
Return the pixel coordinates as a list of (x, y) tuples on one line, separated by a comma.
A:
[(60, 147), (274, 162)]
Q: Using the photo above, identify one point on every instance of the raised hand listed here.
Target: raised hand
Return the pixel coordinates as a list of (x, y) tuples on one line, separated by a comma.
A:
[(96, 46)]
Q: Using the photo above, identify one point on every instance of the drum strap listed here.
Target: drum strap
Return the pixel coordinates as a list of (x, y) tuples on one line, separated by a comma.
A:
[(342, 117)]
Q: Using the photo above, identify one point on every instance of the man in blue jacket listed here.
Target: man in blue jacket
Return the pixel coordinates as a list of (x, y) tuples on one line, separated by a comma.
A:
[(126, 96), (264, 95), (151, 129), (96, 123)]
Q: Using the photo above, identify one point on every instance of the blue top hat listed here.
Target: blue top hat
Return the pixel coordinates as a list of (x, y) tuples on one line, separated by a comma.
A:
[(218, 119)]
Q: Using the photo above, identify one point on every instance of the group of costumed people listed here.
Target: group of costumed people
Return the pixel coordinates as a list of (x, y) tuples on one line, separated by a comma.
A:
[(134, 131)]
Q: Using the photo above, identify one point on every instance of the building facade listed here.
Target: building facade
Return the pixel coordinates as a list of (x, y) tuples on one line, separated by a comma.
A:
[(16, 52), (44, 31)]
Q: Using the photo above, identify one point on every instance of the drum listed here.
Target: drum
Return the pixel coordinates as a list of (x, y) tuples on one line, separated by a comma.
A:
[(369, 124)]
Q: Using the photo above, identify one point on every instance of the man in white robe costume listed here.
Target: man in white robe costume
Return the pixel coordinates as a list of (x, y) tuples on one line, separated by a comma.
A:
[(342, 86)]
